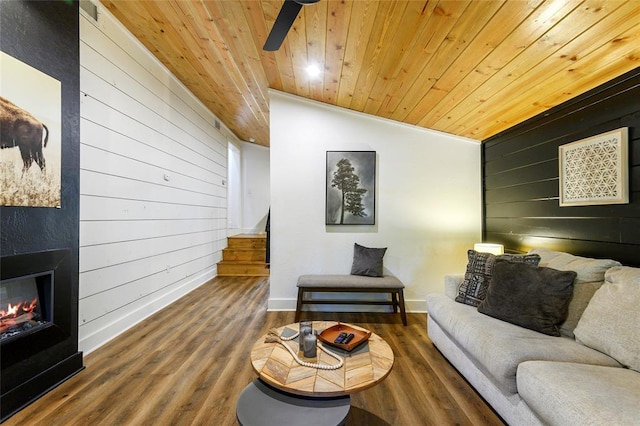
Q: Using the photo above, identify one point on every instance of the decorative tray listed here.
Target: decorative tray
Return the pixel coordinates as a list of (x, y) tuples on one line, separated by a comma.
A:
[(330, 335)]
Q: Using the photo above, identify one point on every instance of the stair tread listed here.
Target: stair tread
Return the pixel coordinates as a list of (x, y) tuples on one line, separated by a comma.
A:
[(238, 244)]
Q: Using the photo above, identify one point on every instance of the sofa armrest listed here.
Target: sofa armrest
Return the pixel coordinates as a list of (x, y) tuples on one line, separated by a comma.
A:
[(451, 284)]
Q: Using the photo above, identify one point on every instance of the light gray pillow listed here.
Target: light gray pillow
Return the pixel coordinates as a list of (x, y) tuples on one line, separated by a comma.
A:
[(367, 261)]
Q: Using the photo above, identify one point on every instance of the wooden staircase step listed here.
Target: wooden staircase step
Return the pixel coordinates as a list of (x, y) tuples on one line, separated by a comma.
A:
[(240, 241), (243, 269), (242, 254)]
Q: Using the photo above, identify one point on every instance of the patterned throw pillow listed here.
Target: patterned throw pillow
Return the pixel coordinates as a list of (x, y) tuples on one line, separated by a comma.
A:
[(473, 289)]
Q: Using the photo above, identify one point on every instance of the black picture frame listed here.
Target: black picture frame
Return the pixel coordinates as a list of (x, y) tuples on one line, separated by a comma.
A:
[(350, 188)]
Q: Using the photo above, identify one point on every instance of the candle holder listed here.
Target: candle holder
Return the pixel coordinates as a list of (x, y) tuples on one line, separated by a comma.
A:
[(306, 327)]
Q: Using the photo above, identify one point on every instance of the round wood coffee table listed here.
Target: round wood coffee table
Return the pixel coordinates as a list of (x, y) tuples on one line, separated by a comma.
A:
[(364, 366), (289, 393)]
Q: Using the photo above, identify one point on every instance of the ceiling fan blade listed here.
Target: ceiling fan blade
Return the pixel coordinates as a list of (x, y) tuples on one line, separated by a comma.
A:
[(284, 21)]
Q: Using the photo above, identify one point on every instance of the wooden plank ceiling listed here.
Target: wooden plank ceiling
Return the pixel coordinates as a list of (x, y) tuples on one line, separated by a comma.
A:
[(470, 68)]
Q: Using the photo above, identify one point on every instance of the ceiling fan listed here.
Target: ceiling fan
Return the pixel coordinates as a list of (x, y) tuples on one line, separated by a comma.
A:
[(283, 23)]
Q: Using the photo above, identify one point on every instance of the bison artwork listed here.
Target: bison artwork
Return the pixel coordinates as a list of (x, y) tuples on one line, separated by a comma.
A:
[(19, 128)]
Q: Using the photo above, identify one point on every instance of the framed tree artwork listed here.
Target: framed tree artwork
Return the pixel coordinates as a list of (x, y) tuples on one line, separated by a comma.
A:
[(350, 188)]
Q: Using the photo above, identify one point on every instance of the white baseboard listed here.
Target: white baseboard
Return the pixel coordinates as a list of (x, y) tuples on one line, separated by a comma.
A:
[(281, 304), (93, 341)]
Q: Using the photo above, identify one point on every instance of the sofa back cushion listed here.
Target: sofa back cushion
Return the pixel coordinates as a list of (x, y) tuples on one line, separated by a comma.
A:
[(610, 322), (590, 276)]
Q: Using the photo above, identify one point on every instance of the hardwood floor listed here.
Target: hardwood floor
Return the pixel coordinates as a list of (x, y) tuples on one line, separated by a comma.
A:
[(188, 363)]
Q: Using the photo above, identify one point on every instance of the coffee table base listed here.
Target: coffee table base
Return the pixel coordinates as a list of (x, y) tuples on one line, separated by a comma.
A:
[(261, 404)]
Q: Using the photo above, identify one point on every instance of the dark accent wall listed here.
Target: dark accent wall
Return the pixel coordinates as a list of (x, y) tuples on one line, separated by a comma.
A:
[(45, 35), (520, 179)]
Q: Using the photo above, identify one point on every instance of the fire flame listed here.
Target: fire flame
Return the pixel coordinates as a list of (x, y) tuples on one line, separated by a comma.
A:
[(22, 308)]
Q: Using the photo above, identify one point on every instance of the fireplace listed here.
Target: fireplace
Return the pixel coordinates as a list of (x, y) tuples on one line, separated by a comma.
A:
[(25, 305), (38, 326)]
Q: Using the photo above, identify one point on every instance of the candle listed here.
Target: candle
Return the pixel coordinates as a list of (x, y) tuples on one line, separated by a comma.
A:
[(309, 345)]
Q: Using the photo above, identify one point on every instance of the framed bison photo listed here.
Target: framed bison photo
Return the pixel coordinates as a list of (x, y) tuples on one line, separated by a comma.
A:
[(30, 135)]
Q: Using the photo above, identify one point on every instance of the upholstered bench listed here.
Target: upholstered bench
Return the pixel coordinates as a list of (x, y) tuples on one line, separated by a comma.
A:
[(351, 284)]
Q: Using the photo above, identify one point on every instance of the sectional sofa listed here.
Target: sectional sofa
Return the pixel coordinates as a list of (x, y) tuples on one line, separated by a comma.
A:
[(585, 374)]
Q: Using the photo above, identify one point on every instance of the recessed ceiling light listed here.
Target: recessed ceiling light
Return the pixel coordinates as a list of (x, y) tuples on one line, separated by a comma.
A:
[(313, 70)]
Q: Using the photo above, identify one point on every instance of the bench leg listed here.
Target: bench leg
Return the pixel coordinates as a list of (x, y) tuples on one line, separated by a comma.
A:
[(403, 313), (299, 305), (394, 300)]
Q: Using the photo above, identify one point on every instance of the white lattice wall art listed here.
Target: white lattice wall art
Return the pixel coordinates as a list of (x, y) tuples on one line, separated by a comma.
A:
[(595, 170)]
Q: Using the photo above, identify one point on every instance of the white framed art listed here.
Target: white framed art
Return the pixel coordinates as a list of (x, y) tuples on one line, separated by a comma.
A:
[(595, 170)]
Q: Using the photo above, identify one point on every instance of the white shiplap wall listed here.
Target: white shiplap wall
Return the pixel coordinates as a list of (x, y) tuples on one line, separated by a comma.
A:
[(153, 204)]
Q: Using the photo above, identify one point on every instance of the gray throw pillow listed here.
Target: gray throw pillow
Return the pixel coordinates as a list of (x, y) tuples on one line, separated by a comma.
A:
[(473, 289), (533, 297), (367, 261)]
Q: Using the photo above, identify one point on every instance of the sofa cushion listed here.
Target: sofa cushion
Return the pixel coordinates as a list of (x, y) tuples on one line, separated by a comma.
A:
[(610, 322), (532, 297), (348, 281), (590, 277), (580, 394), (367, 261), (498, 347), (473, 289)]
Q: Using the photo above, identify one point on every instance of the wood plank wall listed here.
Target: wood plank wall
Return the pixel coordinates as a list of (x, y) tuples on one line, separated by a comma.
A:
[(520, 179), (153, 205)]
